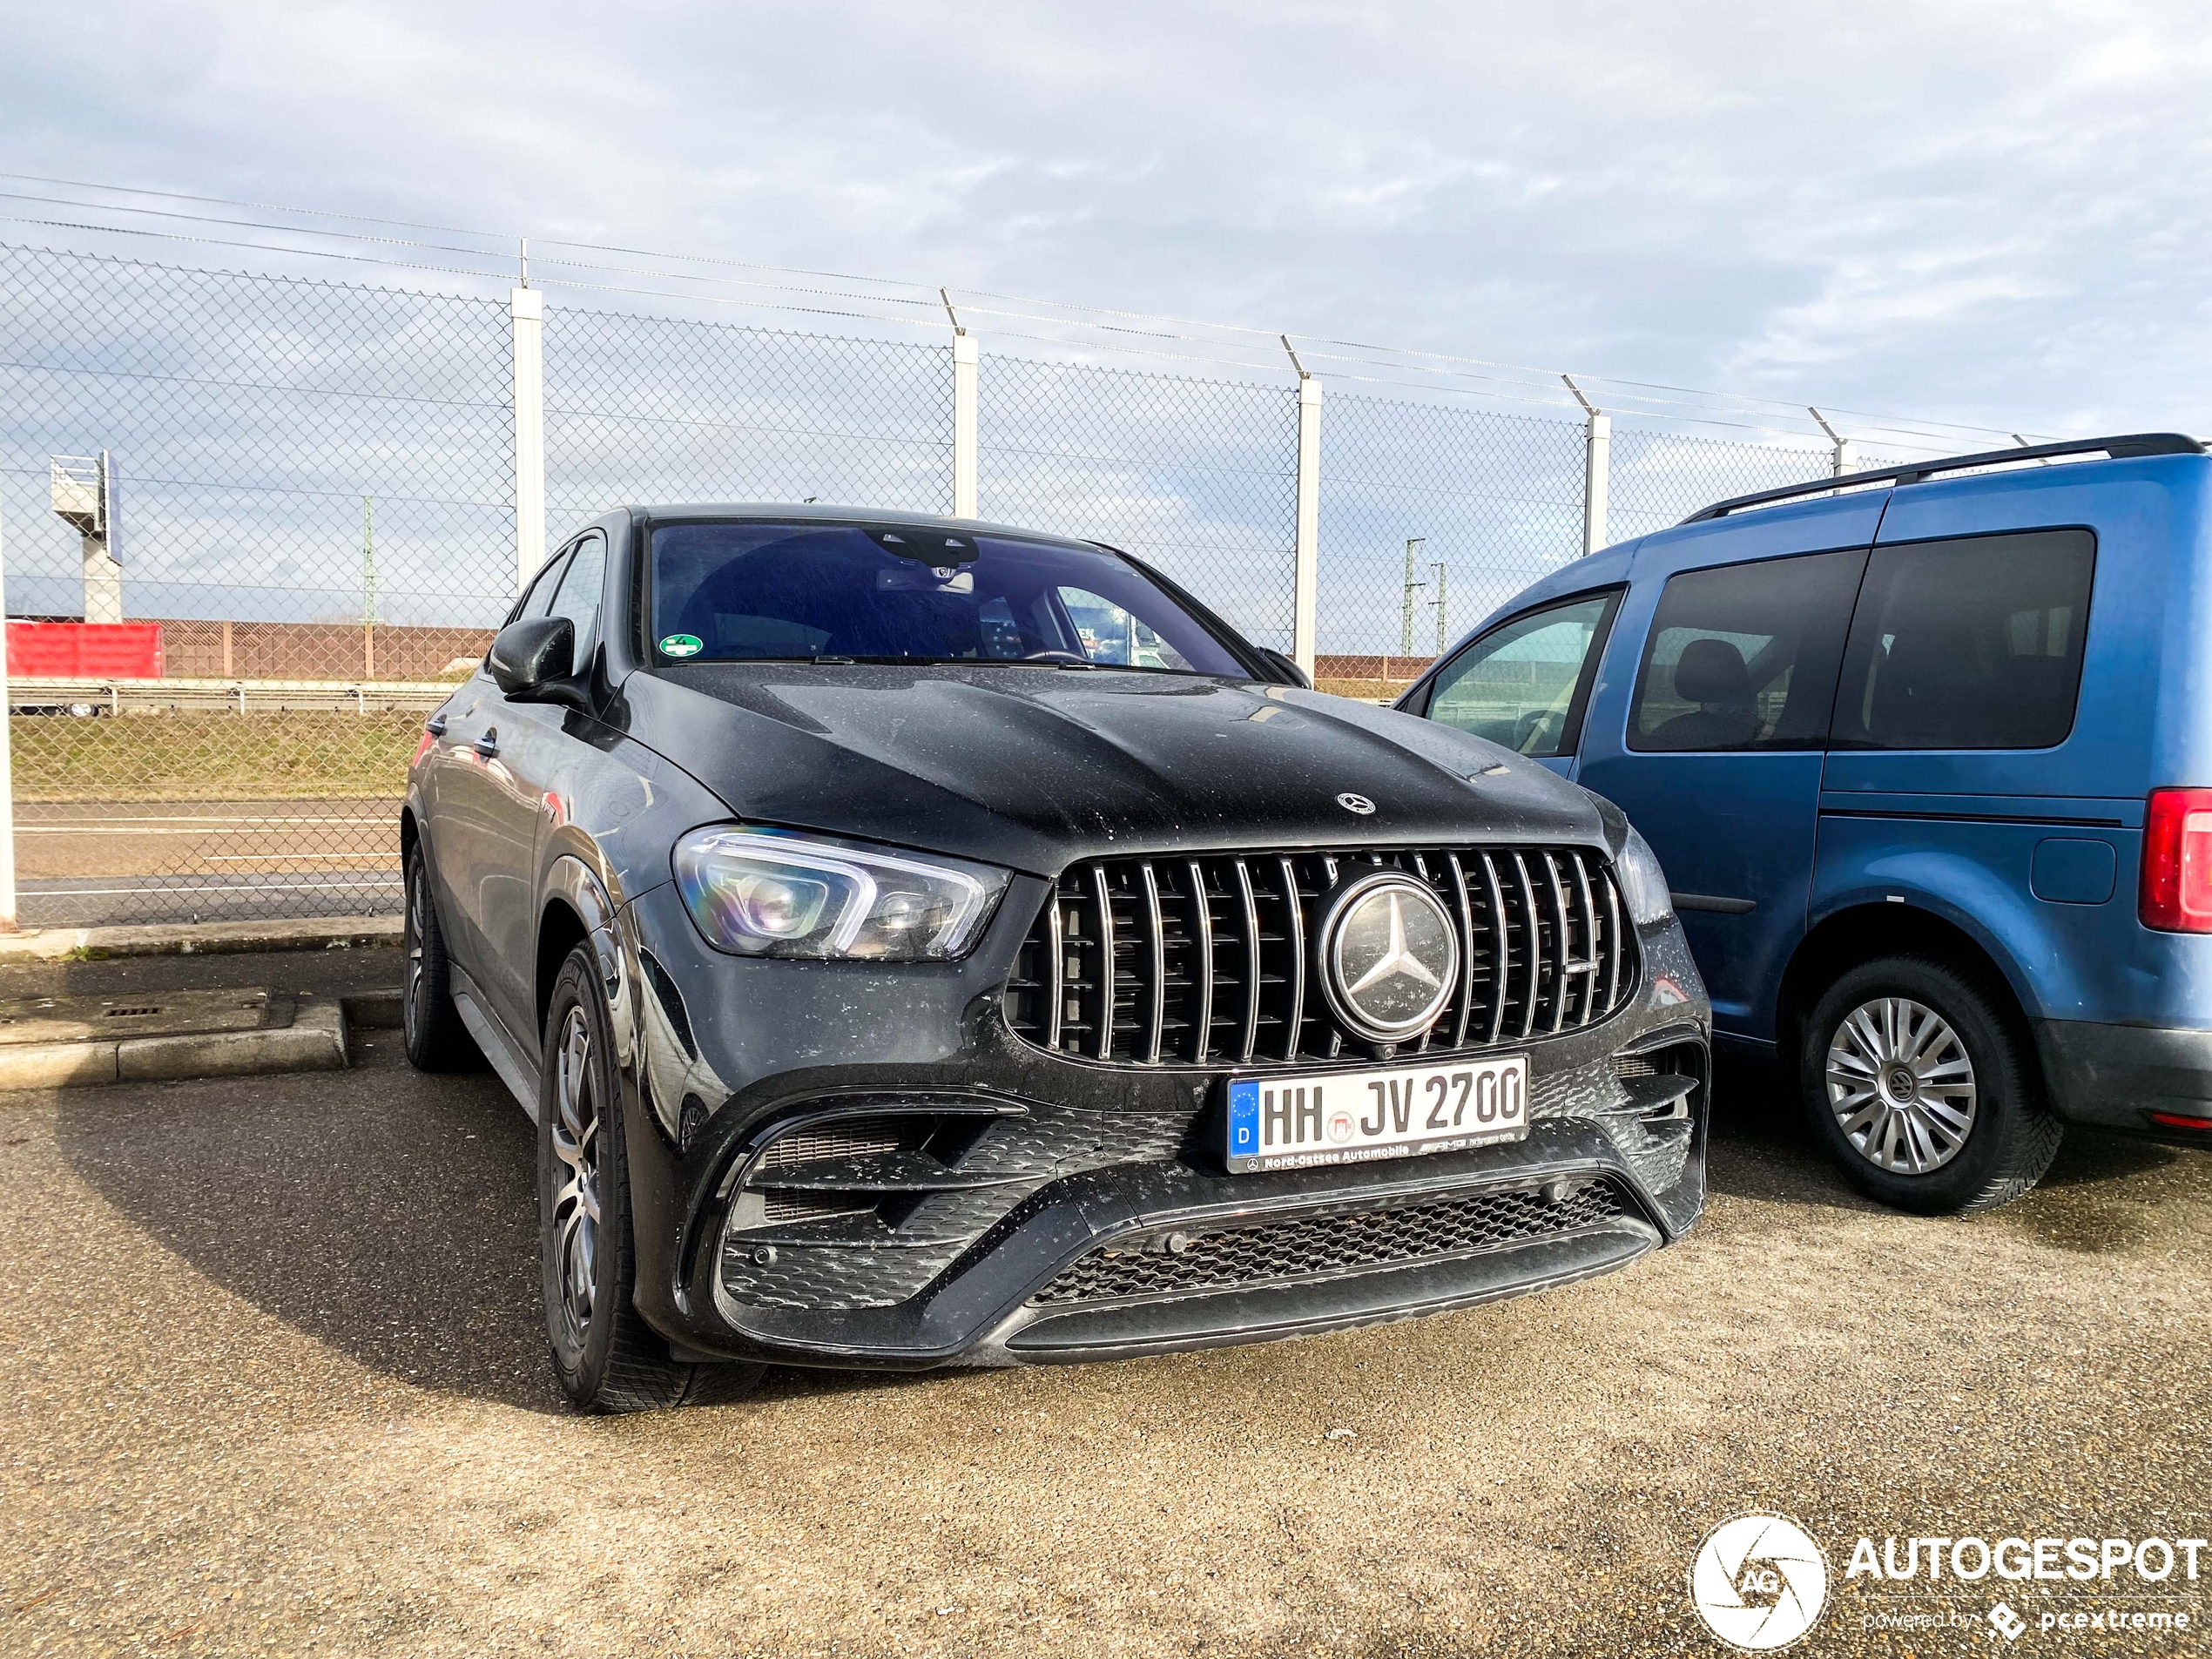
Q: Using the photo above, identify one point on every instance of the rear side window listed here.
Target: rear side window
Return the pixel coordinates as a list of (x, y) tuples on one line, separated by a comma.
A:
[(1973, 644), (1524, 683), (1744, 656)]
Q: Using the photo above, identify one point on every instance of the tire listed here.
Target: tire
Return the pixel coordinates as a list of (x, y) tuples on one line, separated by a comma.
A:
[(1933, 1101), (605, 1356), (430, 1026)]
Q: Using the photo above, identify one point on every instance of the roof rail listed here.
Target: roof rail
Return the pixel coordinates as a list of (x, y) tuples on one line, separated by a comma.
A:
[(1914, 472)]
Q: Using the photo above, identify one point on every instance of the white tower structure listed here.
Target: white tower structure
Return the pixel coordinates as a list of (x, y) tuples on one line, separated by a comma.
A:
[(84, 498)]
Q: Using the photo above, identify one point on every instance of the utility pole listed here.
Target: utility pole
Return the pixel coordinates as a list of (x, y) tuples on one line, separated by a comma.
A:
[(368, 587), (1439, 603), (1406, 617)]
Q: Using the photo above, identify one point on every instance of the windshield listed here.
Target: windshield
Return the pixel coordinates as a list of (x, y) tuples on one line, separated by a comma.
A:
[(735, 592)]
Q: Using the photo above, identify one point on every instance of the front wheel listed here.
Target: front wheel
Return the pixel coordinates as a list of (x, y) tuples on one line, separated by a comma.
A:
[(1921, 1091), (607, 1358)]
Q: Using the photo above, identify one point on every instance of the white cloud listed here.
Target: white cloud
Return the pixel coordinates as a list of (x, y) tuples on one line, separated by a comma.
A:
[(1992, 211)]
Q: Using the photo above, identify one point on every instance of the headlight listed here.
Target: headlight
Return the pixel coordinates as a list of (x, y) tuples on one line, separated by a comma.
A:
[(1644, 884), (770, 893)]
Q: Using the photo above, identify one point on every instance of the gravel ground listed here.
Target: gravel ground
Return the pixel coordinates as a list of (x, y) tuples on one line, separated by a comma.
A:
[(277, 1386)]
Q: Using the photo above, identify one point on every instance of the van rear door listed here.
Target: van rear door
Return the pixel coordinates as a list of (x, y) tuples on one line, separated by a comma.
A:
[(1995, 722)]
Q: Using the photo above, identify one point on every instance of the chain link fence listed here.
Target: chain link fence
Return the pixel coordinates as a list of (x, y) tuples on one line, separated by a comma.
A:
[(311, 505), (1659, 478), (1197, 477), (298, 496), (1431, 517), (661, 409)]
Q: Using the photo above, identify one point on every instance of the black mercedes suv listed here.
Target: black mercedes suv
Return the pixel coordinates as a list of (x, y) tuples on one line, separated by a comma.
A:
[(924, 942)]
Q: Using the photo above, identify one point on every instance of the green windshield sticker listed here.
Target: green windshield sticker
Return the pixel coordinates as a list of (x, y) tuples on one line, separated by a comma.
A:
[(682, 646)]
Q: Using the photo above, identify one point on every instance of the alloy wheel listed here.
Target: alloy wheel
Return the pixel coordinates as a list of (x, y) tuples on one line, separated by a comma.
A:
[(1901, 1085), (575, 1200)]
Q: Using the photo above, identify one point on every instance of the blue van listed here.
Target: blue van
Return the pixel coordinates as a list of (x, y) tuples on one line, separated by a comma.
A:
[(1927, 753)]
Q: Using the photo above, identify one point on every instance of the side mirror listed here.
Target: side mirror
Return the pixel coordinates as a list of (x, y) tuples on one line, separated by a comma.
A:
[(531, 660), (1291, 673)]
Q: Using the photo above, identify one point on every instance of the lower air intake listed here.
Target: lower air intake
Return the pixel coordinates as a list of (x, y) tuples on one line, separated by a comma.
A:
[(1320, 1245)]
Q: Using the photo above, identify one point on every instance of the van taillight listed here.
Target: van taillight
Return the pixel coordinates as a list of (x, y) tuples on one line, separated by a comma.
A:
[(2177, 862)]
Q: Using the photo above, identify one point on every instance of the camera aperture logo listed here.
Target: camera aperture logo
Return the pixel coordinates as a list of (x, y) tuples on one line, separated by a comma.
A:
[(1758, 1581)]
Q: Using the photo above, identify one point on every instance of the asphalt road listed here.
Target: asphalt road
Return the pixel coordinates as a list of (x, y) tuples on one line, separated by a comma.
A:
[(275, 1385), (90, 863)]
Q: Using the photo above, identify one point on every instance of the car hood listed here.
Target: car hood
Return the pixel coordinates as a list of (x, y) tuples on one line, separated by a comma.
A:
[(1035, 768)]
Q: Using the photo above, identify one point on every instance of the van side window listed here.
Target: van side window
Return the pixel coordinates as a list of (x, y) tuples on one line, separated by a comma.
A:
[(1973, 644), (1744, 656), (1524, 684)]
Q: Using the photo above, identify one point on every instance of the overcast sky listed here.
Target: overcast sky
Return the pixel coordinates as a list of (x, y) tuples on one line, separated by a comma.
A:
[(1989, 212)]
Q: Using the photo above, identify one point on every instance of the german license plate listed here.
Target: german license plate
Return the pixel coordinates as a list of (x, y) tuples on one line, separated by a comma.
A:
[(1394, 1112)]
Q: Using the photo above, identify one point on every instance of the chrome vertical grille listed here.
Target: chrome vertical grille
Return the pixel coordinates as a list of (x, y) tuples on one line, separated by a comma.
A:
[(1208, 960)]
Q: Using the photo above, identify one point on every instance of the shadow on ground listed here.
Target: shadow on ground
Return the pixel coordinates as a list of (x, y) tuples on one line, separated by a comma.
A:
[(392, 1215), (388, 1214), (2104, 1193)]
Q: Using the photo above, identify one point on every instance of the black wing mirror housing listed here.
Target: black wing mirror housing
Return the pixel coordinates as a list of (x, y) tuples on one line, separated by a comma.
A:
[(1291, 673), (531, 661)]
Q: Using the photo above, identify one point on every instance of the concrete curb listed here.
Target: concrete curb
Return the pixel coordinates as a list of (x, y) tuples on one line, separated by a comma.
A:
[(185, 939), (315, 1041), (374, 1010)]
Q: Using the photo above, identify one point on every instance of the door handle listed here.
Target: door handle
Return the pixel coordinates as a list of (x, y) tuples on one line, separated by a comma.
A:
[(487, 745)]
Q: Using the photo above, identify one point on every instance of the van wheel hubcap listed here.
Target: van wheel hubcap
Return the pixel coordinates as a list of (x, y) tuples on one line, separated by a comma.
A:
[(1901, 1085), (576, 1200)]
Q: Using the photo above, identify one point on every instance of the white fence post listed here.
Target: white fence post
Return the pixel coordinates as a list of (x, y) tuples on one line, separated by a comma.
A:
[(526, 318), (1844, 455), (965, 357), (1306, 559), (7, 770), (1597, 468)]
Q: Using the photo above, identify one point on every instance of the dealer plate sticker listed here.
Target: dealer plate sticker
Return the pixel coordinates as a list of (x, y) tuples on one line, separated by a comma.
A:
[(1399, 1111)]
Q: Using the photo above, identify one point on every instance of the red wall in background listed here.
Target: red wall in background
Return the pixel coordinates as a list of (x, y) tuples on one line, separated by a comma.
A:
[(85, 649)]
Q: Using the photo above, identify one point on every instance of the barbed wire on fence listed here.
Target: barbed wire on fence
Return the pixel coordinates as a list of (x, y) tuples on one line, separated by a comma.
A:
[(501, 256)]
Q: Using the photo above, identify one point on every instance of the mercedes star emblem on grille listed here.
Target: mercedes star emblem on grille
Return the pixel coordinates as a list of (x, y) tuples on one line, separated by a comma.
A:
[(1389, 956), (1359, 803)]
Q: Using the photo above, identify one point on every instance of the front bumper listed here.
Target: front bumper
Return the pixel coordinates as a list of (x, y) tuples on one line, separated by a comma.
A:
[(1036, 1208), (2125, 1077)]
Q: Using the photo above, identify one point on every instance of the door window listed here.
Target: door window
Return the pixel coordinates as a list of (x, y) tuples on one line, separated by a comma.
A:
[(539, 594), (578, 595), (1973, 644), (1745, 656), (1524, 684)]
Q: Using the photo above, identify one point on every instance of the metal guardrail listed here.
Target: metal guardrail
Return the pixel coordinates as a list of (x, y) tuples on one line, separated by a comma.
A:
[(43, 695)]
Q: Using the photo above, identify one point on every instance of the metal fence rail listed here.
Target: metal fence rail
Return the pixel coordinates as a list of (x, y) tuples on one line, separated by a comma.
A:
[(321, 495)]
